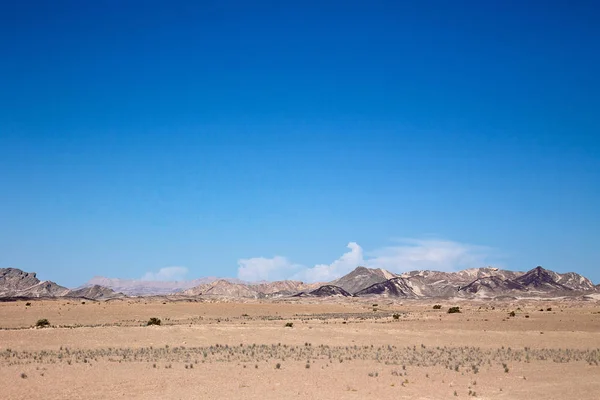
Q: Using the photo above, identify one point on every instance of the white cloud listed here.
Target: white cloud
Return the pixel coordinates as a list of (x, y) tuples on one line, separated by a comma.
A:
[(440, 255), (404, 255), (166, 274), (265, 269), (323, 272)]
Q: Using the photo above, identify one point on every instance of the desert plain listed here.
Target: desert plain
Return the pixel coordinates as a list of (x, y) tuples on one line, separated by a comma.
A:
[(300, 348)]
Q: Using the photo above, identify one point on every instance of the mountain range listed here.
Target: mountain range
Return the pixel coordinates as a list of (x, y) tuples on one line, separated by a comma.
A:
[(361, 282), (15, 283)]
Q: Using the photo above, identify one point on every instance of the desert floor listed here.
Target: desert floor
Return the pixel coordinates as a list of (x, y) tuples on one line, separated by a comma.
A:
[(334, 349)]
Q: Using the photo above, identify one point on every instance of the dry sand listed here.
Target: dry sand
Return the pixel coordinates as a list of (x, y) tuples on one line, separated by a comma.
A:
[(335, 349)]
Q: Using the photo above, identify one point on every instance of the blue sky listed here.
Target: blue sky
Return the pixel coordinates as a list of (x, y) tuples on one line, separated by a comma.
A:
[(270, 140)]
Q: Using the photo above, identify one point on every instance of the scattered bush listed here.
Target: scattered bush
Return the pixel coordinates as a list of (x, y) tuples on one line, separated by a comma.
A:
[(278, 366), (396, 316), (512, 314), (42, 323), (549, 309), (153, 321), (437, 307), (289, 324), (23, 375), (453, 310), (28, 304)]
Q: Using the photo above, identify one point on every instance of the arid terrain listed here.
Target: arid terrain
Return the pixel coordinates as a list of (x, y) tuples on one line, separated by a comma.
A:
[(333, 348)]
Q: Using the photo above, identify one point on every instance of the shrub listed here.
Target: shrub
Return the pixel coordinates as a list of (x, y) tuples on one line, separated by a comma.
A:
[(23, 375), (289, 324), (512, 314), (549, 309), (42, 323), (437, 307), (278, 366), (28, 304), (453, 310), (153, 321), (396, 316)]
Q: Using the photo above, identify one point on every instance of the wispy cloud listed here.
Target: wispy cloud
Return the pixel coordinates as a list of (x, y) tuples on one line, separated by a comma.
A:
[(404, 255), (262, 269), (442, 255), (166, 274), (327, 272)]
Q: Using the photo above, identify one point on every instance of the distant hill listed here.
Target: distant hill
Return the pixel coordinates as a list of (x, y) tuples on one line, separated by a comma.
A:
[(138, 287), (395, 287), (95, 292), (17, 283), (490, 286), (326, 291), (540, 279), (361, 278)]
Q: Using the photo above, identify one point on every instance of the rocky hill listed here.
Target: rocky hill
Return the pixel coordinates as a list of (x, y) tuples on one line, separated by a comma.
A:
[(361, 278), (283, 287), (223, 288), (17, 283), (541, 280), (329, 291), (139, 287), (395, 287), (490, 286), (95, 292)]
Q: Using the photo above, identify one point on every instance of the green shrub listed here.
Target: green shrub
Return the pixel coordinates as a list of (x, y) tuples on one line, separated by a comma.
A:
[(42, 323), (453, 310), (153, 321)]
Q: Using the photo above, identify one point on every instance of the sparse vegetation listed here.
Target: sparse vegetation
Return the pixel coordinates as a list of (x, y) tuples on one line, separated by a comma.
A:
[(289, 324), (154, 321), (453, 310), (42, 323), (437, 307)]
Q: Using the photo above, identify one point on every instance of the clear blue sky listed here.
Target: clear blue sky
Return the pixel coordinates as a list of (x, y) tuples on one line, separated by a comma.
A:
[(141, 135)]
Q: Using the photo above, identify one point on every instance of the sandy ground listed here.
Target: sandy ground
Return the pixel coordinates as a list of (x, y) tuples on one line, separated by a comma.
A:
[(335, 349)]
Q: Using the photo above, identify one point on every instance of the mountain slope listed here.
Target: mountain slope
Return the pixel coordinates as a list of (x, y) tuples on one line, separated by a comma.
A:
[(395, 287), (492, 285), (361, 278), (138, 287), (95, 292), (329, 291), (540, 279), (223, 288), (17, 283)]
